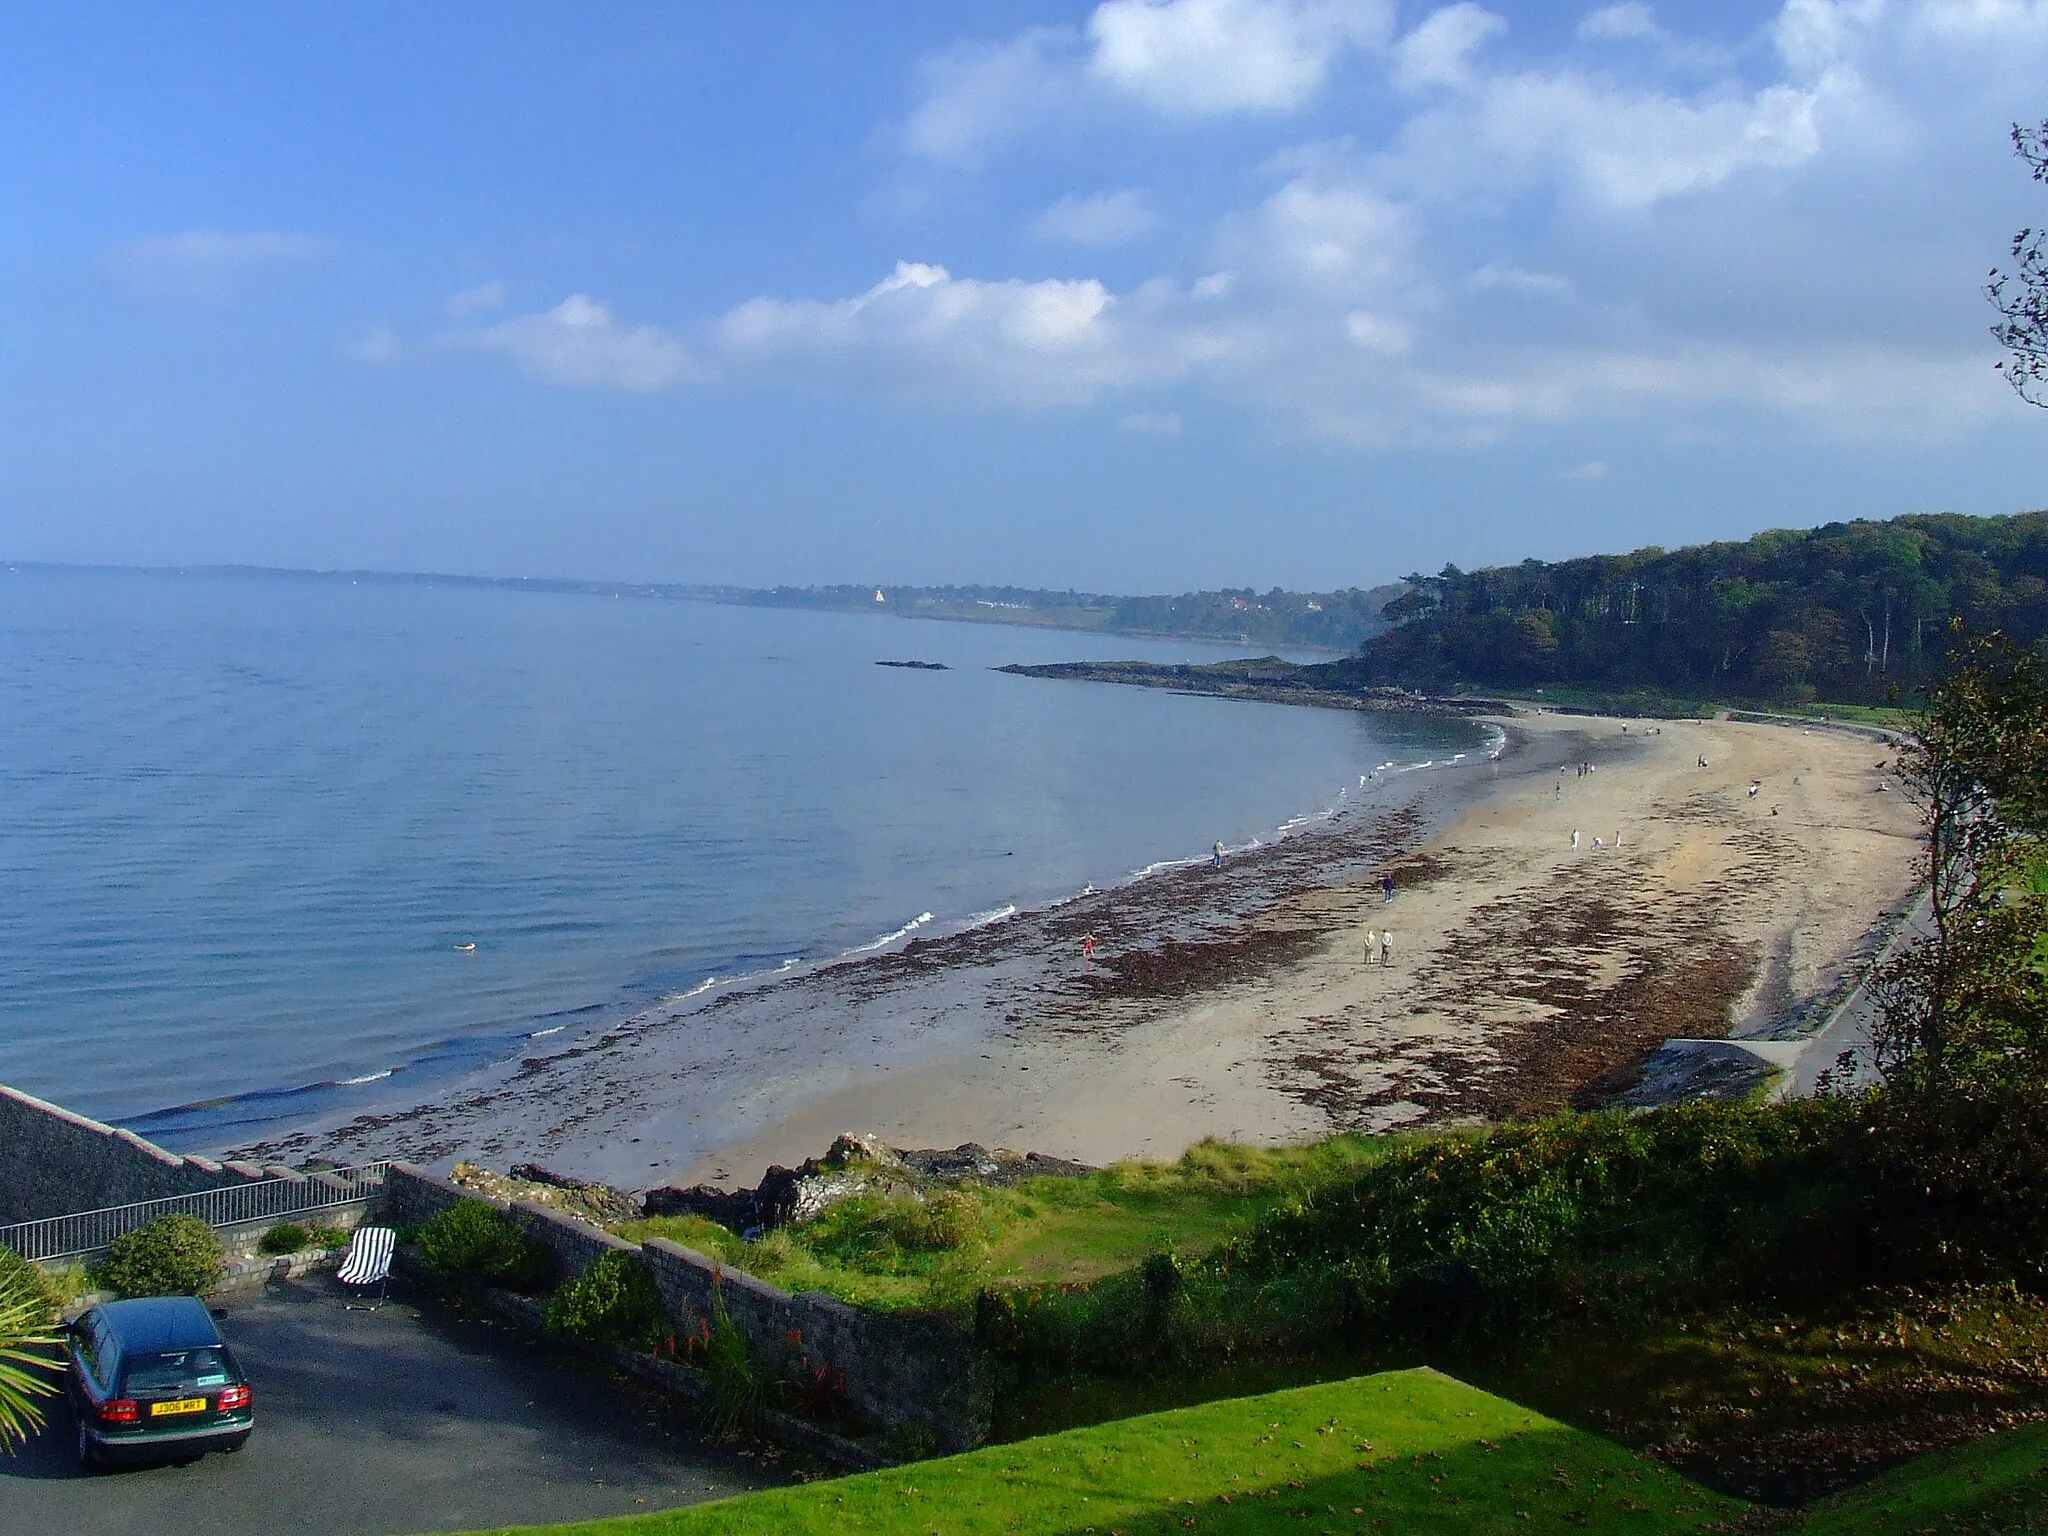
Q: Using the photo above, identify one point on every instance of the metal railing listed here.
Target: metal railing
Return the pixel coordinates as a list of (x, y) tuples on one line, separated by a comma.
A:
[(58, 1237)]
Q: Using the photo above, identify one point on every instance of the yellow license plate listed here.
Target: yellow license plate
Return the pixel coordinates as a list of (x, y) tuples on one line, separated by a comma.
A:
[(181, 1405)]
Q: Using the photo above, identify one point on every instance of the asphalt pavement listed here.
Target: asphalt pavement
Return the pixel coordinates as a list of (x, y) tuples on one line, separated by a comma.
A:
[(408, 1419)]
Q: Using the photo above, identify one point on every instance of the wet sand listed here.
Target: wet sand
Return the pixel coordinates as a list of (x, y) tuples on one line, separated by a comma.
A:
[(1238, 1003)]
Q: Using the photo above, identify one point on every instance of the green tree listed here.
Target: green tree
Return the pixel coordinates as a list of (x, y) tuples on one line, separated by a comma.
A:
[(1968, 1006)]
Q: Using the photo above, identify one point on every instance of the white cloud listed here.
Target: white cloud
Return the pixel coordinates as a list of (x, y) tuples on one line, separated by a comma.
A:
[(210, 263), (1378, 333), (1182, 59), (1151, 423), (979, 94), (483, 296), (1592, 469), (1195, 58), (373, 344), (579, 343), (1508, 278), (1102, 218), (1615, 22), (1677, 235), (921, 331), (1440, 50)]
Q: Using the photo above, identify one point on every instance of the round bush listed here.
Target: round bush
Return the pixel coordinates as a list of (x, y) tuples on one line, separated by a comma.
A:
[(474, 1240), (613, 1301), (285, 1237), (172, 1256)]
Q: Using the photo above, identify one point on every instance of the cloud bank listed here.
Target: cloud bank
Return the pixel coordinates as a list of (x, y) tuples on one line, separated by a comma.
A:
[(1473, 236)]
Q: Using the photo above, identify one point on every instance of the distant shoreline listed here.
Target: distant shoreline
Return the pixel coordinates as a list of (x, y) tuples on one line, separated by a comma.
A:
[(1067, 619)]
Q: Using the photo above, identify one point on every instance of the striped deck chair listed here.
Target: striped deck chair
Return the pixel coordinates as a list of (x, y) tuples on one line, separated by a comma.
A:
[(368, 1263)]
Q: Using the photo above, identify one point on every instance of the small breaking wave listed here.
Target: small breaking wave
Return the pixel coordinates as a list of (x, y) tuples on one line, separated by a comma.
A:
[(887, 939)]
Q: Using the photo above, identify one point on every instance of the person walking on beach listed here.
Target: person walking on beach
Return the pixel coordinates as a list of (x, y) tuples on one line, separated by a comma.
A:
[(1575, 837), (1217, 854), (1372, 946), (1387, 888), (1087, 948), (1387, 946)]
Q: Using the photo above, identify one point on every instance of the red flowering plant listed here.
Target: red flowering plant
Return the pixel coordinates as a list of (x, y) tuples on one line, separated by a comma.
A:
[(812, 1390)]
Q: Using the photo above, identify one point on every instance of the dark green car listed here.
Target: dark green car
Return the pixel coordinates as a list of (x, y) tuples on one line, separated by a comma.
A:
[(152, 1380)]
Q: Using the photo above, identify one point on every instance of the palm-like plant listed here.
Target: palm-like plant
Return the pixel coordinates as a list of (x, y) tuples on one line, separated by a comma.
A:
[(28, 1363)]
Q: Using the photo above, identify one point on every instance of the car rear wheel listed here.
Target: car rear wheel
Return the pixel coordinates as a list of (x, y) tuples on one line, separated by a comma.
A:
[(88, 1456)]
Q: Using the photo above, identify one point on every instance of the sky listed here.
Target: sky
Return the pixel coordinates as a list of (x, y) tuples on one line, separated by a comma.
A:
[(1144, 296)]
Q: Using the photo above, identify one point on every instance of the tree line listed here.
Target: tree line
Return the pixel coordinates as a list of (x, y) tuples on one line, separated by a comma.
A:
[(1850, 612)]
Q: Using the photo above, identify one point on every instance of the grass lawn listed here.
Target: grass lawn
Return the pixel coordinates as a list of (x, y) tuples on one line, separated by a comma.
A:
[(885, 1252), (1398, 1452), (1996, 1484)]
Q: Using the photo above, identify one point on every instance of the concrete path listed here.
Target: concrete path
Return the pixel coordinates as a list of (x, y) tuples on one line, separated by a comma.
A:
[(1848, 1032), (404, 1420)]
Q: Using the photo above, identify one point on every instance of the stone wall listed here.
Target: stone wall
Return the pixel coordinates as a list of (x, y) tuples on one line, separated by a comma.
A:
[(53, 1162), (898, 1369)]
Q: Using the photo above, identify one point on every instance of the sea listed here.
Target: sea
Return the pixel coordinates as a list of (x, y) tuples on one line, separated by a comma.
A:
[(268, 841)]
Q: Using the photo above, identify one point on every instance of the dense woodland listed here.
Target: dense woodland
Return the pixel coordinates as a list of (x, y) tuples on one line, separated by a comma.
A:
[(1850, 612)]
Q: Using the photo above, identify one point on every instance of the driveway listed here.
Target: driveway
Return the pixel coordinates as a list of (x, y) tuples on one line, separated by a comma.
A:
[(402, 1420)]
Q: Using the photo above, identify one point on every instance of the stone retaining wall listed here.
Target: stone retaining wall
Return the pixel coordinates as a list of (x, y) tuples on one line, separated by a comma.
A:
[(54, 1162), (898, 1370)]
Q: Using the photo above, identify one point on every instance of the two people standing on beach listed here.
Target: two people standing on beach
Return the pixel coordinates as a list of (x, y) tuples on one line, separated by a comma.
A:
[(1379, 946)]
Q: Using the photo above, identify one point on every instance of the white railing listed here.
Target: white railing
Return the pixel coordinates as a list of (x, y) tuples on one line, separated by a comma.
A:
[(58, 1237)]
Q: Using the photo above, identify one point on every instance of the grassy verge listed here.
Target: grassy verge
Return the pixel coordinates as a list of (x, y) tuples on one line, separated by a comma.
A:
[(897, 1252), (1996, 1484), (1405, 1451)]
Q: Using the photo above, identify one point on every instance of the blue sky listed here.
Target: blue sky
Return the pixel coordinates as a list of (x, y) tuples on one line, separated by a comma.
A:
[(1149, 295)]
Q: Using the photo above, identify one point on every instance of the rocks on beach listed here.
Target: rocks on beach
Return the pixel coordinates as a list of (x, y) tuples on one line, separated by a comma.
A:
[(852, 1166)]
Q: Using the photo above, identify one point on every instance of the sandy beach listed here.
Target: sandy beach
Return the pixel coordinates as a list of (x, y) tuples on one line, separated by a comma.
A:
[(1525, 974)]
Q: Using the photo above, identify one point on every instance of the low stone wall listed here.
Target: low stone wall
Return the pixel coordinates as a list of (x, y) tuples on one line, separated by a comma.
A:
[(898, 1370), (54, 1162)]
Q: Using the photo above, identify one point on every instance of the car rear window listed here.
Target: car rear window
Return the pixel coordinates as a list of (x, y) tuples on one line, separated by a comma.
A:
[(177, 1370)]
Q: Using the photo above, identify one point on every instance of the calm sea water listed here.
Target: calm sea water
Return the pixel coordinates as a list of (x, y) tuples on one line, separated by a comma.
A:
[(249, 825)]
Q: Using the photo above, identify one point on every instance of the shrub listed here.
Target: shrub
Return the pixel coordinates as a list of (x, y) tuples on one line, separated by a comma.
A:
[(941, 1224), (285, 1237), (614, 1301), (326, 1238), (474, 1240), (174, 1255)]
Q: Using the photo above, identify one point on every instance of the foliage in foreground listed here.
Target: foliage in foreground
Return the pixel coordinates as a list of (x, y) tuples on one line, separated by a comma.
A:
[(1996, 1484), (612, 1301), (474, 1240), (28, 1344), (1404, 1451), (174, 1255)]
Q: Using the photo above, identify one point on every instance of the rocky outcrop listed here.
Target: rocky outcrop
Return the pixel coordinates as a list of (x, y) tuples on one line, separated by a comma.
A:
[(851, 1167), (599, 1204), (1323, 684)]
